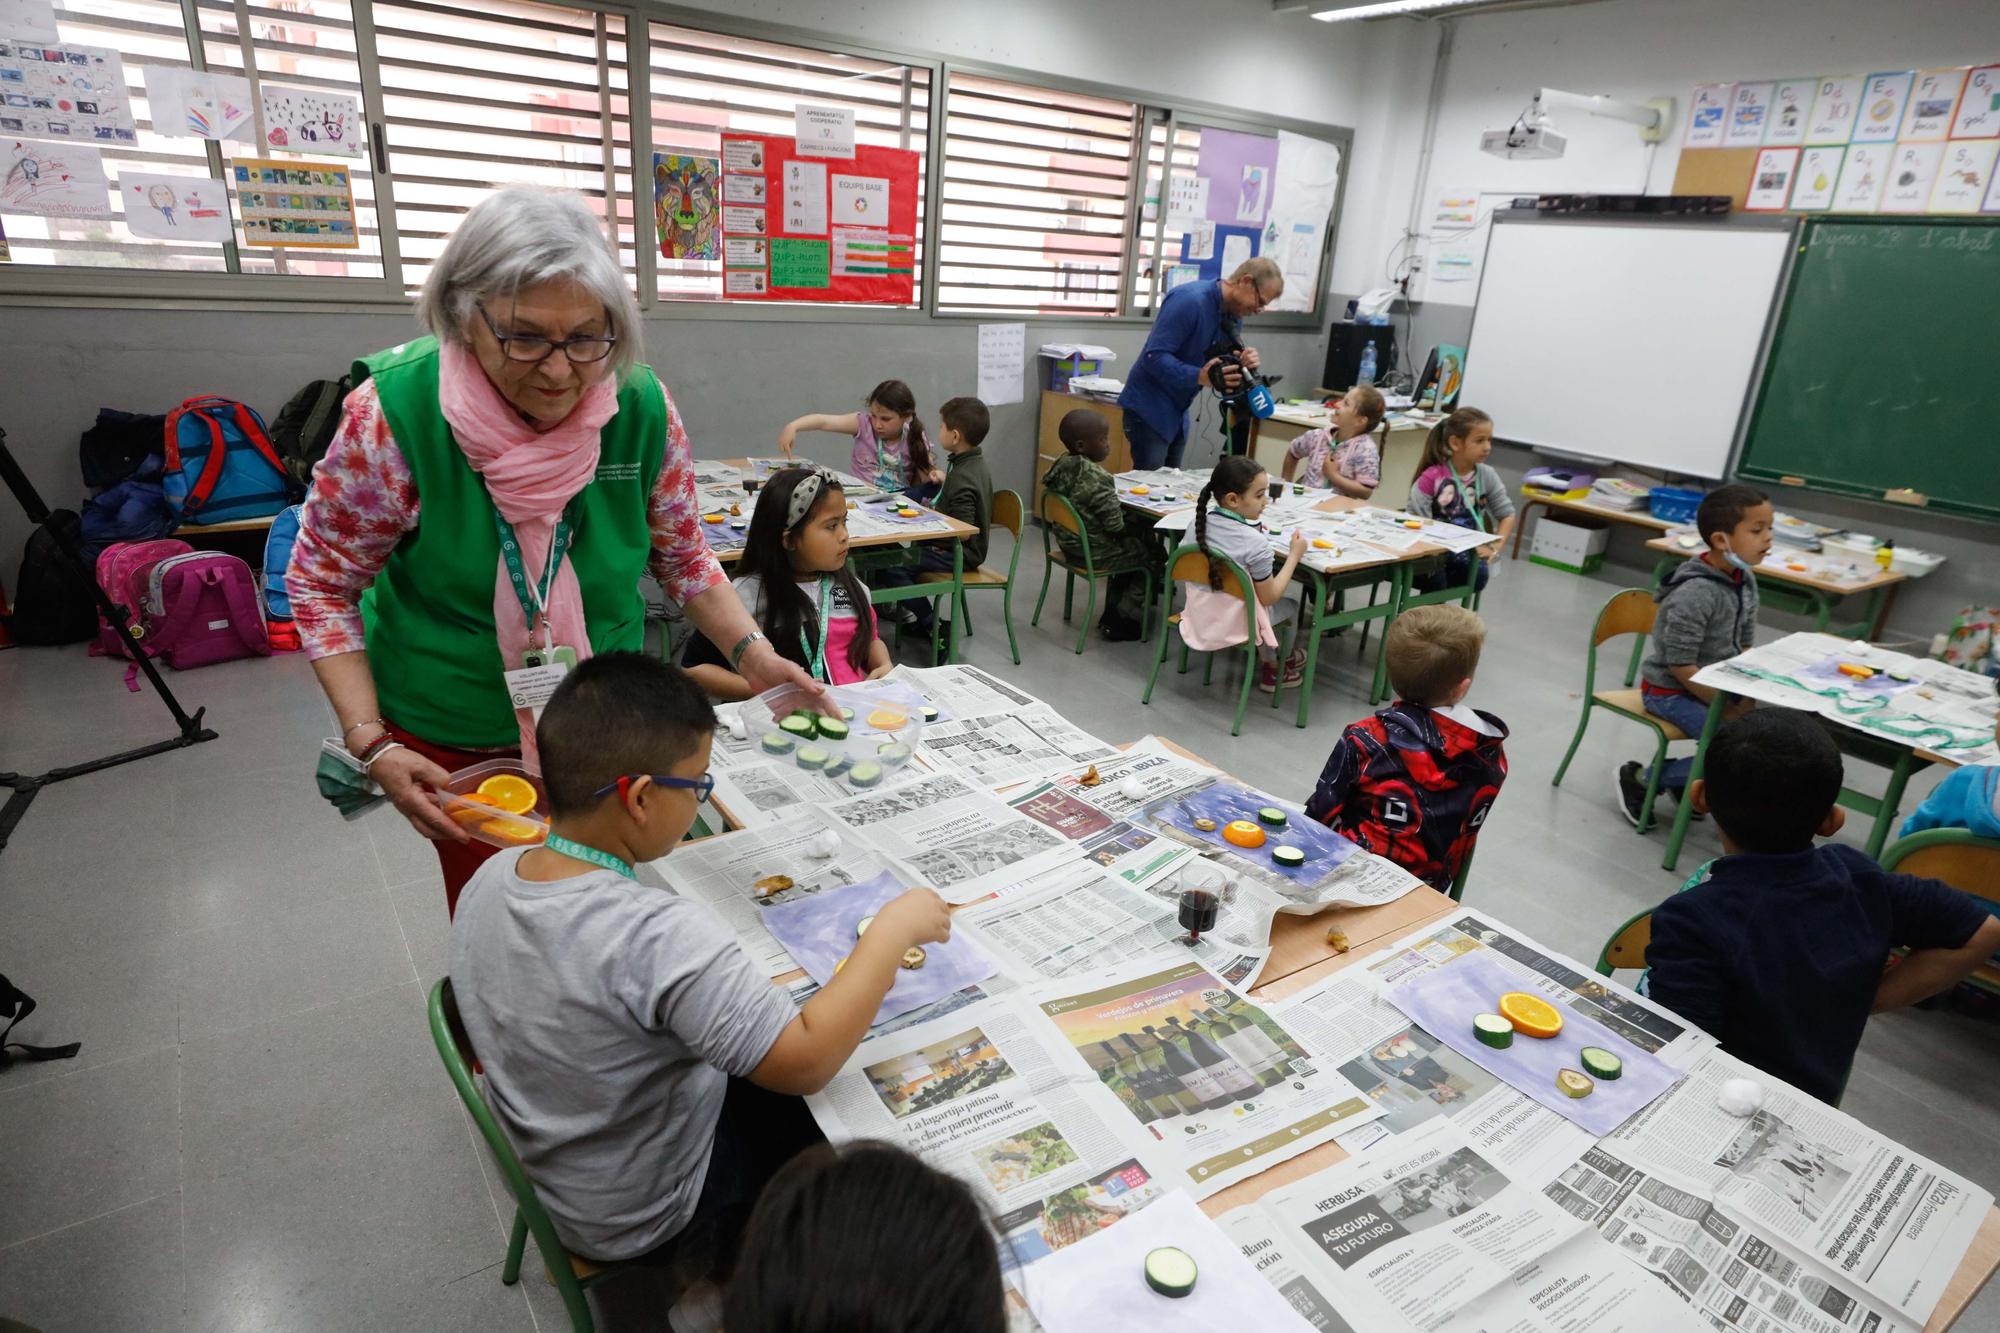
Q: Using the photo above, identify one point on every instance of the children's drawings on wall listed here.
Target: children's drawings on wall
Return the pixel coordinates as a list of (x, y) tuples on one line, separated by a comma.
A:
[(295, 203), (1862, 176), (300, 120), (197, 104), (175, 208), (53, 180), (73, 93), (685, 208), (1819, 172), (1964, 176)]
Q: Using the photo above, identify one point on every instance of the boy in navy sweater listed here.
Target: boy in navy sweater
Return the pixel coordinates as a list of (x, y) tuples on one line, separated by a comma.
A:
[(1780, 954)]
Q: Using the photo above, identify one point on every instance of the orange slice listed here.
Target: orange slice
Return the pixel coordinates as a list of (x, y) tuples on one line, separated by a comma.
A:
[(887, 719), (1322, 544), (481, 809), (711, 518), (1531, 1015), (514, 795), (512, 830), (1142, 490), (1242, 833)]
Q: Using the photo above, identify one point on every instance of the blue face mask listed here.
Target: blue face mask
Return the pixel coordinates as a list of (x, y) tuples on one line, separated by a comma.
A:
[(1738, 561)]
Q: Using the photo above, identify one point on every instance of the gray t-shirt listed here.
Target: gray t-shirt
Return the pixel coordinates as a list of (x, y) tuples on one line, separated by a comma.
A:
[(1248, 544), (606, 1014)]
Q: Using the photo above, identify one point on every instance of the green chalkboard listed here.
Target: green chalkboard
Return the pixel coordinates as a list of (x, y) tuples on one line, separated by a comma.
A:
[(1884, 369)]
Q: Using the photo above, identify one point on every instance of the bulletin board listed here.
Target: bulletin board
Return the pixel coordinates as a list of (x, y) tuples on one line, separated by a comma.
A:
[(1256, 194), (816, 228)]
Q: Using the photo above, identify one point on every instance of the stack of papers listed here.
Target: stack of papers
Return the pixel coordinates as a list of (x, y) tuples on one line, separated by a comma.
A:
[(1088, 351), (1618, 493), (1096, 386), (1797, 533)]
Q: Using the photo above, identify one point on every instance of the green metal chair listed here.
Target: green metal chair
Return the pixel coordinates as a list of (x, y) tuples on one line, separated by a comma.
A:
[(1457, 890), (1627, 946), (1190, 564), (1961, 860), (1058, 512), (1008, 513), (570, 1275), (1628, 612)]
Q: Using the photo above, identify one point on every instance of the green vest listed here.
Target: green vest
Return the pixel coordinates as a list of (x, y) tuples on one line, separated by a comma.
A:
[(429, 616)]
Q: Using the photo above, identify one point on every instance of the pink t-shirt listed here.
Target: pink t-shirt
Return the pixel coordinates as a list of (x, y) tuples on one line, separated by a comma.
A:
[(880, 463), (1356, 457), (843, 622)]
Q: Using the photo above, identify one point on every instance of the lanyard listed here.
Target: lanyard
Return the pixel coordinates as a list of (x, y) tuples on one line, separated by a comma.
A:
[(1470, 484), (1235, 517), (816, 656), (534, 599), (562, 846)]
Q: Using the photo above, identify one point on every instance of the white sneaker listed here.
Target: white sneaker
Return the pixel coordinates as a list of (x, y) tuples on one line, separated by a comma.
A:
[(699, 1310)]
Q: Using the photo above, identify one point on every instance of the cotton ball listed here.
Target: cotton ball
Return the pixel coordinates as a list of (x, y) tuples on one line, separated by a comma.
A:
[(739, 728), (1740, 1096), (1133, 789), (823, 844)]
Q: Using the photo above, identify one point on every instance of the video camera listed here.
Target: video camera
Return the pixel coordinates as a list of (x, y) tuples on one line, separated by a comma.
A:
[(1252, 390)]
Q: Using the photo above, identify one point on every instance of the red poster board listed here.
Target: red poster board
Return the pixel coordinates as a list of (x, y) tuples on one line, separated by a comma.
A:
[(802, 228)]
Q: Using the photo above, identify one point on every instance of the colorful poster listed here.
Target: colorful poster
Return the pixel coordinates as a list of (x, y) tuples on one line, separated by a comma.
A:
[(1786, 123), (1862, 175), (1749, 107), (1708, 116), (175, 208), (54, 180), (29, 20), (1771, 180), (1964, 176), (743, 189), (76, 93), (1819, 172), (1882, 101), (306, 120), (846, 234), (196, 104), (1912, 172), (1978, 114), (684, 208), (1932, 100), (1187, 201), (1237, 195), (1836, 104), (307, 204)]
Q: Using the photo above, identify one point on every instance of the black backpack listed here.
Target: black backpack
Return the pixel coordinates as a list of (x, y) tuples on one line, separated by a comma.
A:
[(54, 602), (113, 449), (305, 426)]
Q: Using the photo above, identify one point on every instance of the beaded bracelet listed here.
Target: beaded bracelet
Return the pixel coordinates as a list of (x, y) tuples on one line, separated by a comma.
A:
[(376, 747)]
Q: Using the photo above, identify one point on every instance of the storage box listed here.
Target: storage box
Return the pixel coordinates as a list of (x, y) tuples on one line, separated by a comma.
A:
[(1909, 560), (1065, 368), (486, 821), (1572, 544), (1671, 504)]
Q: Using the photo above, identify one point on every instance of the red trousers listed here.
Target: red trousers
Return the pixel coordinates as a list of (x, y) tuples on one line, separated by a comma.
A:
[(459, 860)]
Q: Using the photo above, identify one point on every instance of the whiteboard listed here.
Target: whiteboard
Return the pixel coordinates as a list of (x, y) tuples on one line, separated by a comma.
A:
[(1632, 341)]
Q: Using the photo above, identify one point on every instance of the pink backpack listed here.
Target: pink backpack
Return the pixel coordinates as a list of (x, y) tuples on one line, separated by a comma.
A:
[(124, 571), (203, 607)]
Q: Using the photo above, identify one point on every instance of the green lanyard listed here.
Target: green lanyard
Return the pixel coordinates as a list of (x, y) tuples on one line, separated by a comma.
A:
[(1470, 483), (562, 846), (816, 656), (534, 601), (1235, 517)]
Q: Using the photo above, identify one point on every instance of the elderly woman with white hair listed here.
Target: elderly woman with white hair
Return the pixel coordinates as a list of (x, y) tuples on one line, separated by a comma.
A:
[(492, 497)]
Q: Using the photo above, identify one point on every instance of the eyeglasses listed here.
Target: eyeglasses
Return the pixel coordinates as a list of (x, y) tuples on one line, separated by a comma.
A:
[(532, 349), (702, 787)]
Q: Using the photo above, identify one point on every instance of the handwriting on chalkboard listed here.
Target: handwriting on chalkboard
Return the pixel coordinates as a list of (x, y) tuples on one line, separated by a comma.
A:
[(1863, 236)]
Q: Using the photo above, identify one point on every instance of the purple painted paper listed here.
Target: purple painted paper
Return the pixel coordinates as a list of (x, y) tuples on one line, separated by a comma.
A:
[(1443, 1002), (818, 931), (1224, 154)]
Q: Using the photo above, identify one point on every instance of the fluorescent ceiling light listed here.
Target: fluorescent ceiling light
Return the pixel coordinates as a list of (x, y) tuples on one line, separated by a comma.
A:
[(1375, 9)]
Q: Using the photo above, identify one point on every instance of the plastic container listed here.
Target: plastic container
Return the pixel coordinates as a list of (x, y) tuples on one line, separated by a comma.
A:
[(1855, 545), (882, 734), (1914, 563), (1575, 545), (1673, 504), (487, 823)]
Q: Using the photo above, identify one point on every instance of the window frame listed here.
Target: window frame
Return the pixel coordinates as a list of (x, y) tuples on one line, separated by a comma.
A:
[(38, 285)]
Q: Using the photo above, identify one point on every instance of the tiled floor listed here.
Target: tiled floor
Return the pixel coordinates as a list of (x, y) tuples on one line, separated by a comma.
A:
[(257, 1135)]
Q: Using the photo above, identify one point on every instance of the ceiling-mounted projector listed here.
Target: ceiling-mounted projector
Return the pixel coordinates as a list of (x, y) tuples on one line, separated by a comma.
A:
[(1524, 143)]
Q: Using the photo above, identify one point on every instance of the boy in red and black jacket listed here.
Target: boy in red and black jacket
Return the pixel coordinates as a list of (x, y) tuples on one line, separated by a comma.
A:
[(1415, 782)]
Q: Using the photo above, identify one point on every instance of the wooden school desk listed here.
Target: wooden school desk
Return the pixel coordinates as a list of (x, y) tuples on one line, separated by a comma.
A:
[(1637, 518), (954, 532)]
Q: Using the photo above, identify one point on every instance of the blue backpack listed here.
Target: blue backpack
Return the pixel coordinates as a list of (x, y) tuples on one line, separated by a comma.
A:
[(220, 464), (278, 559)]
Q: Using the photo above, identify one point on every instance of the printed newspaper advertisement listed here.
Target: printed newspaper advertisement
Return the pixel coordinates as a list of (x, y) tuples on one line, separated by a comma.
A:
[(1124, 850), (999, 749), (962, 842), (1211, 1078), (1273, 1251), (1427, 1232), (1887, 1225)]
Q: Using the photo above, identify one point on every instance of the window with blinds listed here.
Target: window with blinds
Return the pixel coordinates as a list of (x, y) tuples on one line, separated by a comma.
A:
[(705, 83), (1160, 239), (305, 44), (479, 95), (142, 32), (1037, 199)]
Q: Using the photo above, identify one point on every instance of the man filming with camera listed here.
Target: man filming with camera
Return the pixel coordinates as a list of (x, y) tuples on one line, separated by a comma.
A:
[(1196, 342)]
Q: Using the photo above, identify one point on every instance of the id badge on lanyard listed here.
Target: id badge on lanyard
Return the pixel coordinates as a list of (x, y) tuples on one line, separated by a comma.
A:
[(542, 666)]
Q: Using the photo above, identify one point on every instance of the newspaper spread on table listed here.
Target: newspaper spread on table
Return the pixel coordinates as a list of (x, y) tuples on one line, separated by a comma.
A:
[(1001, 748), (1913, 700), (1343, 548), (1274, 1252), (1166, 488), (963, 842), (958, 690), (1126, 851), (1886, 1225), (758, 791), (1427, 1232)]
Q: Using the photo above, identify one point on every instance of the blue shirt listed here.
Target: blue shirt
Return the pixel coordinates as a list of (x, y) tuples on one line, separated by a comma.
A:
[(1778, 957), (1168, 374)]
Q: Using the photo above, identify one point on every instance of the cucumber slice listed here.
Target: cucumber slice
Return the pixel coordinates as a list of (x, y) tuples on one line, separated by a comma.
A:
[(1572, 1084), (832, 729), (893, 755), (841, 763), (802, 727), (847, 714), (1171, 1271), (1272, 816), (861, 926), (867, 773), (1494, 1030), (930, 713), (778, 742), (812, 756), (1288, 856), (1601, 1064)]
